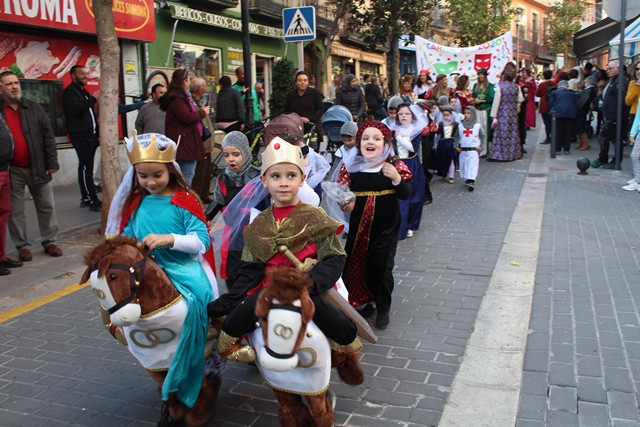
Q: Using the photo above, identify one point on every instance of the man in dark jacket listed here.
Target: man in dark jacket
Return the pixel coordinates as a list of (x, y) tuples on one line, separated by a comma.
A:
[(610, 114), (374, 99), (35, 160), (350, 95), (82, 127), (304, 100)]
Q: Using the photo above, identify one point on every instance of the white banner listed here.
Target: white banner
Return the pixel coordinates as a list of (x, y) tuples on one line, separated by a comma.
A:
[(492, 56)]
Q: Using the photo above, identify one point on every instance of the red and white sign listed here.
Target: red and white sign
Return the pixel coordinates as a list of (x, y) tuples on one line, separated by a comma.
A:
[(43, 58), (134, 19)]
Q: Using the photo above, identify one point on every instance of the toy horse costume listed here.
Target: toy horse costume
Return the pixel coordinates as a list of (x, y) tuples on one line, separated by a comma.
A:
[(167, 331)]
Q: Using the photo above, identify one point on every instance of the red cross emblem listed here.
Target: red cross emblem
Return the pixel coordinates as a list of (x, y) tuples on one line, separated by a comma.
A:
[(467, 132)]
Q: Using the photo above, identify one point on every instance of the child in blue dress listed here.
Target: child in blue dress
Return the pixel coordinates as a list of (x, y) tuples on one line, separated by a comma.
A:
[(155, 205)]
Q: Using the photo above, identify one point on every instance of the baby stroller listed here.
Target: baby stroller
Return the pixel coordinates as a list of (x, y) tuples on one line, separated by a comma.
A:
[(332, 121), (282, 123)]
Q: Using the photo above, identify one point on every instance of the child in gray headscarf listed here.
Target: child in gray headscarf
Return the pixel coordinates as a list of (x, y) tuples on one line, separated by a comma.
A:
[(469, 146)]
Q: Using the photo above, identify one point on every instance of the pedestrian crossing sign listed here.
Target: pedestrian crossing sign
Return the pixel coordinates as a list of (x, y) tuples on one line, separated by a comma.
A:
[(299, 23)]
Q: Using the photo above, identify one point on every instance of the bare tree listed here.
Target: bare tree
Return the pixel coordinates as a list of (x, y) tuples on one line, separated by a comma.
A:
[(337, 12), (109, 67)]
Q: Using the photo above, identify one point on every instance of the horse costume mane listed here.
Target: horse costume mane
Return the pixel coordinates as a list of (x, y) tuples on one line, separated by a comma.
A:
[(284, 308)]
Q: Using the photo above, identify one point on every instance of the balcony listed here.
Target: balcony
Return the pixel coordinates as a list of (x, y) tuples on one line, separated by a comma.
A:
[(325, 16), (269, 10), (544, 55), (211, 5)]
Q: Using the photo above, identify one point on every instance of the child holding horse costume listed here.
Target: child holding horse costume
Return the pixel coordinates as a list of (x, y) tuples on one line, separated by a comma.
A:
[(378, 180), (155, 205), (312, 236)]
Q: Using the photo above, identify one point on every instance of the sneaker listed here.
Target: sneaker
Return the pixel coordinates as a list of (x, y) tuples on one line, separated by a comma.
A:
[(596, 163), (95, 205), (631, 181), (4, 271), (609, 166), (451, 181), (409, 233), (470, 187), (631, 187), (85, 203)]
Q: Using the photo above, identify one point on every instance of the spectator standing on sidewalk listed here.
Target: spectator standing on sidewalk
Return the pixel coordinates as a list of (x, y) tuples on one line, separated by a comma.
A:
[(6, 152), (35, 160), (202, 178), (610, 114), (633, 92), (150, 117), (634, 134), (351, 96), (564, 102), (374, 99), (304, 100), (543, 93), (82, 127), (183, 123)]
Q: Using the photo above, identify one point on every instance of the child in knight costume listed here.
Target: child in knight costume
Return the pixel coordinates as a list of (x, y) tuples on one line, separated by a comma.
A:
[(308, 233), (469, 146)]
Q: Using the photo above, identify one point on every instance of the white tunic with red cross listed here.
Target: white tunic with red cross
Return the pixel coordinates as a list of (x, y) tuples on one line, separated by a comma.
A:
[(469, 160)]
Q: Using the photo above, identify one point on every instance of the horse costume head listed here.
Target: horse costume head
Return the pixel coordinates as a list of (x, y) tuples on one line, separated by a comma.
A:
[(284, 308), (119, 270)]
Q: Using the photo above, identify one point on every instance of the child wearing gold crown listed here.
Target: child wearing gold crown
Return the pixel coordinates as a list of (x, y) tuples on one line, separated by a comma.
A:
[(309, 234), (155, 205)]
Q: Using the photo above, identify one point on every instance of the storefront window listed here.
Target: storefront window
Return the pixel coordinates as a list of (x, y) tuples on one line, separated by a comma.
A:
[(48, 94), (369, 68), (201, 61)]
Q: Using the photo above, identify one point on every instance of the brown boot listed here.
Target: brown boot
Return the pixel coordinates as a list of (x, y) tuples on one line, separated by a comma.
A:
[(347, 360), (584, 142), (580, 143)]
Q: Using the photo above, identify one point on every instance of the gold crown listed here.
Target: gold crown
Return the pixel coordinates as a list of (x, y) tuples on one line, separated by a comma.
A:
[(280, 151), (138, 154)]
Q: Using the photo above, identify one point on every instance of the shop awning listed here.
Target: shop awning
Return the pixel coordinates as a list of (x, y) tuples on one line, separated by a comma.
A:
[(631, 41), (596, 37)]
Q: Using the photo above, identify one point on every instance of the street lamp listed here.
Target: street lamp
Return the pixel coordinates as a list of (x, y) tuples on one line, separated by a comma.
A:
[(518, 15)]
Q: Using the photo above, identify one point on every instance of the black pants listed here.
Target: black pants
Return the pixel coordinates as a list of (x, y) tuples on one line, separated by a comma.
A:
[(427, 149), (85, 147), (331, 321), (607, 138), (563, 133)]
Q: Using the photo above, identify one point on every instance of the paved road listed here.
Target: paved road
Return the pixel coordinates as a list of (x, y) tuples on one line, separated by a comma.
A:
[(58, 366)]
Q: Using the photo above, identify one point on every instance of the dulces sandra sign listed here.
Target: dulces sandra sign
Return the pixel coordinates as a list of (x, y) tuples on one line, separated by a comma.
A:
[(134, 19)]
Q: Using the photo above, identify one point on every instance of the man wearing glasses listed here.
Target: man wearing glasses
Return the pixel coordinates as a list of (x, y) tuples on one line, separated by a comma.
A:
[(609, 112)]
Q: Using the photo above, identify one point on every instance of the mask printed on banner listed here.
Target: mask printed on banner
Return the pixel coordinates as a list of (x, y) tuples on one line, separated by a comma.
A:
[(482, 60), (446, 69)]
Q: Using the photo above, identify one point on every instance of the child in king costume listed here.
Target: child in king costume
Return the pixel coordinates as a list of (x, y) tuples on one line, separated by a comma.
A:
[(310, 234)]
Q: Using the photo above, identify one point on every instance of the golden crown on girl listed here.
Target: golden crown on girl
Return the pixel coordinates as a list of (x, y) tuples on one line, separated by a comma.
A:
[(154, 151)]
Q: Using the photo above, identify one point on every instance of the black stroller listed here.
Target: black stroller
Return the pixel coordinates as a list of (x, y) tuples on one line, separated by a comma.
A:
[(332, 122)]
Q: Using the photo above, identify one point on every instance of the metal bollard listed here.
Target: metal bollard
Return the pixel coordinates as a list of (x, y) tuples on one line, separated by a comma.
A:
[(552, 147)]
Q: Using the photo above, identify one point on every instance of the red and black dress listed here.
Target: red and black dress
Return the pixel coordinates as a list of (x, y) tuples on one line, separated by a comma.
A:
[(373, 235)]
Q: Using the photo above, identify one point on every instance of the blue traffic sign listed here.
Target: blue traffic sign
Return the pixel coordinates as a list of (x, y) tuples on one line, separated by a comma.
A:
[(299, 24)]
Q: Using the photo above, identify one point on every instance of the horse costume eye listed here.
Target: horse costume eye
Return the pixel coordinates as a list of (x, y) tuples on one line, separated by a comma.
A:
[(113, 276)]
